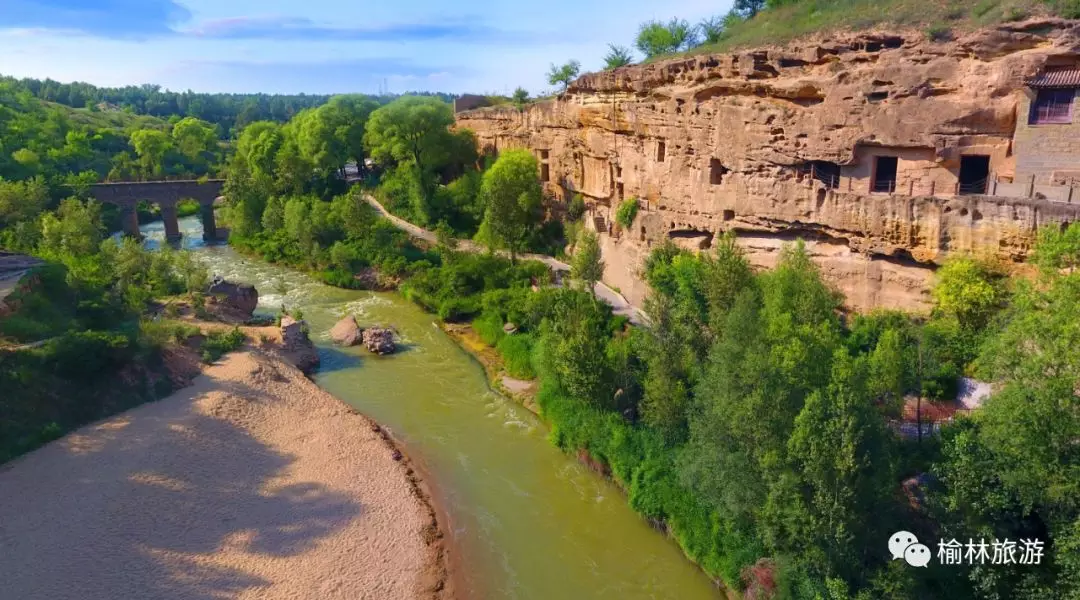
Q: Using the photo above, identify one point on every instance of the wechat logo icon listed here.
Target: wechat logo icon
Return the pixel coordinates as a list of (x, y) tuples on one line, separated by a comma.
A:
[(904, 544)]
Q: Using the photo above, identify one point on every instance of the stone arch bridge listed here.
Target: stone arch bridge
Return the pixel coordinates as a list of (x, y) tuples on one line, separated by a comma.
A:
[(166, 194)]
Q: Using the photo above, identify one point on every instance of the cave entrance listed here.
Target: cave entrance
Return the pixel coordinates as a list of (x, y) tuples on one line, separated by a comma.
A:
[(826, 172), (974, 172), (884, 180)]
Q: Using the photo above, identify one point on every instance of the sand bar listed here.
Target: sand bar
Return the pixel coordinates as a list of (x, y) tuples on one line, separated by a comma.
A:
[(250, 483)]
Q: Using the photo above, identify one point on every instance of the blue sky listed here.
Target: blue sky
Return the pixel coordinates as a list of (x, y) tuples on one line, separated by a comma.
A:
[(320, 46)]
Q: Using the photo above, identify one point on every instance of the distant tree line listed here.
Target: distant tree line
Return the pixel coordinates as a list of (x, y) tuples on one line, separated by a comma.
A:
[(230, 112)]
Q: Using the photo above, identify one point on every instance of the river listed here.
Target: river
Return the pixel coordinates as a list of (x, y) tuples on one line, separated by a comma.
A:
[(526, 521)]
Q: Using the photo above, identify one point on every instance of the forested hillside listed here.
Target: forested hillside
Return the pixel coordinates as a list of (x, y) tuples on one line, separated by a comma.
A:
[(229, 112)]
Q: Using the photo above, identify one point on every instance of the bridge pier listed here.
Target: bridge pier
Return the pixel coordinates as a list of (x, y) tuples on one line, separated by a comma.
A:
[(208, 223), (129, 218), (172, 225)]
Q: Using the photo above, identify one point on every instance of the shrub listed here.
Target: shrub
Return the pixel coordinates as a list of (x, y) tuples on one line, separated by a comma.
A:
[(939, 33), (220, 342), (577, 207), (516, 351), (489, 326), (88, 354), (626, 212)]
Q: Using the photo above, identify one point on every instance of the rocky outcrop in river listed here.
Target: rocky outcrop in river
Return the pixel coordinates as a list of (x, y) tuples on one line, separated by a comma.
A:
[(297, 344), (346, 332), (379, 340), (240, 298)]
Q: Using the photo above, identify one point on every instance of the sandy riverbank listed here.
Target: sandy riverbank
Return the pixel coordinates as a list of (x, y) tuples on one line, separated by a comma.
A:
[(250, 483)]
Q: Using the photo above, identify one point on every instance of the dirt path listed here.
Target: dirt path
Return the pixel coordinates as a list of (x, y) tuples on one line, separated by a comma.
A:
[(251, 483), (618, 303)]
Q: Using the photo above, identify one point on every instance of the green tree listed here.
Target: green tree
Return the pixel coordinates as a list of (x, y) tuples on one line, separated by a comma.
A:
[(656, 38), (151, 146), (617, 56), (969, 290), (748, 9), (1058, 248), (711, 29), (666, 383), (22, 200), (411, 129), (889, 370), (520, 97), (587, 266), (564, 73), (195, 139), (573, 348), (726, 275), (318, 138), (247, 194), (258, 146), (839, 452), (273, 217), (348, 116), (512, 193), (74, 231)]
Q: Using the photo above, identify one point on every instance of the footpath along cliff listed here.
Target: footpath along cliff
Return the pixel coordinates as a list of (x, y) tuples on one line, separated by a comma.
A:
[(887, 152)]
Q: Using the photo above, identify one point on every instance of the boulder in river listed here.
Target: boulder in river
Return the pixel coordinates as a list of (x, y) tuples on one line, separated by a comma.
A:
[(239, 296), (379, 340), (346, 332), (297, 344)]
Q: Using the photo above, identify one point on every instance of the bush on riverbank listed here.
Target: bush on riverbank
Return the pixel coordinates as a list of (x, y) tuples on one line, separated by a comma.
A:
[(220, 342), (84, 306), (454, 288), (75, 379)]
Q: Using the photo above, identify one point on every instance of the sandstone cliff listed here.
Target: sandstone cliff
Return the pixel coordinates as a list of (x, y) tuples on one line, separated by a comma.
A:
[(779, 143)]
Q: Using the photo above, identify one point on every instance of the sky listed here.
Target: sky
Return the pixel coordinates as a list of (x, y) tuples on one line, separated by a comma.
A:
[(321, 46)]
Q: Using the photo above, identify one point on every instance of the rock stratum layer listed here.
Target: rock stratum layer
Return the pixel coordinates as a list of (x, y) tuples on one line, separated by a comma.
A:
[(780, 143)]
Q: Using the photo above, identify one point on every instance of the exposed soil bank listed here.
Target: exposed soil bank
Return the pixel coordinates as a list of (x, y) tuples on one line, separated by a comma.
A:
[(251, 483)]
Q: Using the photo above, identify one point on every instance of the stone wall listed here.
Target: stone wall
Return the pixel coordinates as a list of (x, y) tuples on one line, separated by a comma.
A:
[(1046, 153), (716, 142), (129, 194)]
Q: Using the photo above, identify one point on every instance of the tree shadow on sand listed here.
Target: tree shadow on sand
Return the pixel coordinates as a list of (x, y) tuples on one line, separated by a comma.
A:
[(130, 514)]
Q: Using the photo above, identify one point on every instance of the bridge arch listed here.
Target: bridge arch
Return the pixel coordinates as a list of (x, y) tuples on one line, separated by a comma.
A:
[(166, 194)]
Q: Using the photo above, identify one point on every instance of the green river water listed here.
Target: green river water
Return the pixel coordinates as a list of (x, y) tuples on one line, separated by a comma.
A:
[(525, 520)]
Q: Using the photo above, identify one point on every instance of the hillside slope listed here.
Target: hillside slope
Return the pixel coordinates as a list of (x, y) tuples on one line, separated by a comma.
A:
[(937, 19)]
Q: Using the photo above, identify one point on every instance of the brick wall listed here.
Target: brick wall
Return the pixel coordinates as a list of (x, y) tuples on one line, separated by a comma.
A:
[(1042, 150)]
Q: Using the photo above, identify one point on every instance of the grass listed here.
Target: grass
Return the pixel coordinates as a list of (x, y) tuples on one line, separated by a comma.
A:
[(807, 17)]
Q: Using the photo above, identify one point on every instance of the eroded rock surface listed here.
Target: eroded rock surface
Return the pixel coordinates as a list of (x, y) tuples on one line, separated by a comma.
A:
[(298, 345), (781, 142), (239, 297), (379, 340)]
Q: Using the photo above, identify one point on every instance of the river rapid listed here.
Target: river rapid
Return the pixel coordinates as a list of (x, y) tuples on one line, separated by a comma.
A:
[(525, 520)]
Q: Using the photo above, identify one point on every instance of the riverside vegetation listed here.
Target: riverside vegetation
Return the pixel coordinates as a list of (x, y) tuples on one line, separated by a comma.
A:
[(750, 420)]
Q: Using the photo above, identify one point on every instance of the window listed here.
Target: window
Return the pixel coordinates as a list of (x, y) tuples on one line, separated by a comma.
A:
[(661, 151), (884, 175), (1052, 106)]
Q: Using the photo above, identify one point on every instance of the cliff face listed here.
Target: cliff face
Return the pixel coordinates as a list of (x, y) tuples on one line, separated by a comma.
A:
[(869, 146)]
